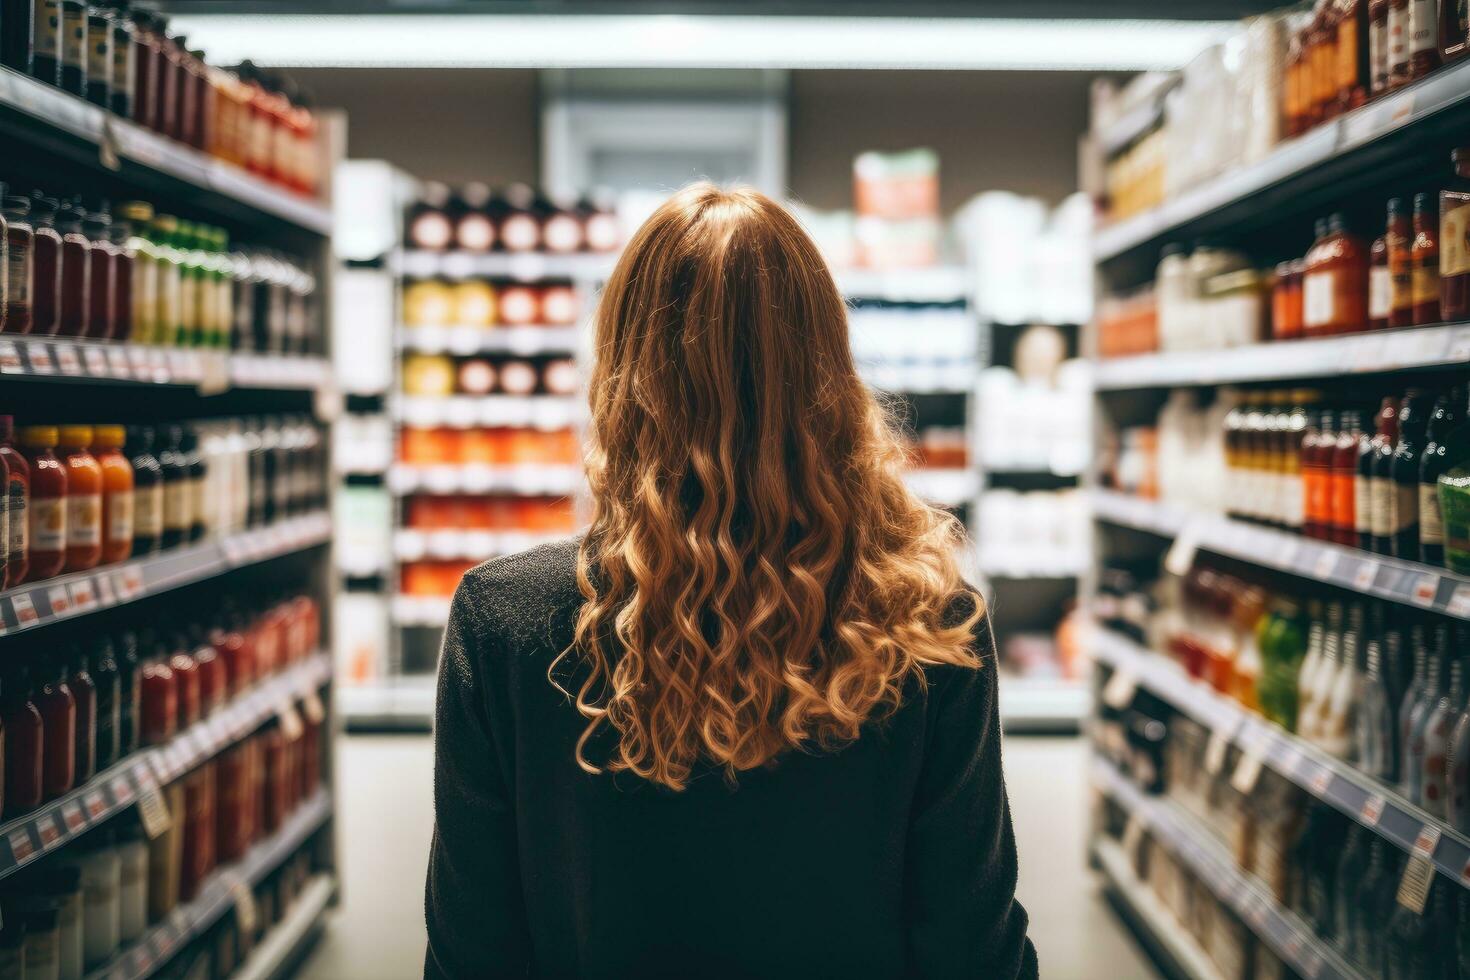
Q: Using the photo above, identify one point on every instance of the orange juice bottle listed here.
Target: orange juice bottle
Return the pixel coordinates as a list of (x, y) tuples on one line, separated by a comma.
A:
[(117, 492)]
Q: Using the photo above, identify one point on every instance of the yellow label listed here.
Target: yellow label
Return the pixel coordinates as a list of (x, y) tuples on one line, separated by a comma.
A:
[(1426, 282), (1454, 236)]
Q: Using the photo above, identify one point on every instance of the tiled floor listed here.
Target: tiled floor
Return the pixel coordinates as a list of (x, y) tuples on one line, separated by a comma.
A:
[(385, 822)]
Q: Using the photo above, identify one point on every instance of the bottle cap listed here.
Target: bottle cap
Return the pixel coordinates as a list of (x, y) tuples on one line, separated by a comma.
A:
[(38, 436), (108, 436), (78, 436)]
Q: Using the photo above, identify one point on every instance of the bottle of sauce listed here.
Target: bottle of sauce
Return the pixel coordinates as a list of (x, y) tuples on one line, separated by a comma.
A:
[(146, 51), (1292, 86), (76, 273), (213, 678), (123, 52), (1404, 471), (1378, 46), (1380, 284), (1435, 460), (1423, 37), (1399, 239), (1381, 487), (45, 268), (178, 489), (148, 505), (1399, 34), (1353, 79), (17, 506), (97, 226), (24, 743), (168, 267), (1316, 507), (108, 679), (19, 239), (171, 90), (122, 254), (47, 509), (1348, 260), (59, 722), (198, 483), (186, 684), (99, 54), (1424, 257), (83, 499), (1454, 241), (160, 700), (1342, 468), (1321, 65), (1286, 302), (84, 692), (142, 258), (130, 691), (427, 222), (117, 493), (72, 41)]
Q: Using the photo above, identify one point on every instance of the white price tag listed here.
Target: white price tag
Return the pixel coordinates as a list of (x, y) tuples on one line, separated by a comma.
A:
[(83, 595), (1118, 693), (96, 360), (245, 910), (1216, 752), (21, 847), (10, 362), (117, 362), (1427, 841), (1372, 810), (1459, 604), (105, 594), (1325, 565), (40, 358), (1425, 589), (59, 599), (1364, 576), (73, 817), (67, 361), (25, 610)]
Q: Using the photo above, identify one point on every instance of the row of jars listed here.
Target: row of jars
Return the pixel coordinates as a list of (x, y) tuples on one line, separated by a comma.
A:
[(125, 60), (133, 274)]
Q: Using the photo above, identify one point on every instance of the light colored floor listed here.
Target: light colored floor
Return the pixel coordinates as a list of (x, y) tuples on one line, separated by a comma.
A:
[(384, 825)]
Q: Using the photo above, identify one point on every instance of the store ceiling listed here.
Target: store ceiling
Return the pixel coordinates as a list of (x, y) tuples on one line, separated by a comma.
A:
[(1030, 9)]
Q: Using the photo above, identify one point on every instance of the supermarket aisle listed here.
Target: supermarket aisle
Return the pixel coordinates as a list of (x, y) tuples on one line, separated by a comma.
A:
[(386, 784)]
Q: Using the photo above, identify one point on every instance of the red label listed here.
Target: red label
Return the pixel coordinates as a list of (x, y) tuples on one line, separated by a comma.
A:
[(72, 814), (96, 805), (122, 791), (1372, 810), (20, 846), (50, 833)]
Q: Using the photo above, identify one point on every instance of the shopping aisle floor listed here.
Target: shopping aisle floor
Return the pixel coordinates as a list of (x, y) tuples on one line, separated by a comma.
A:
[(385, 822)]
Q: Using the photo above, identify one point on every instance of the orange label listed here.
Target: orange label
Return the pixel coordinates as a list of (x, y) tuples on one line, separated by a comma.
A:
[(1340, 499), (1347, 56)]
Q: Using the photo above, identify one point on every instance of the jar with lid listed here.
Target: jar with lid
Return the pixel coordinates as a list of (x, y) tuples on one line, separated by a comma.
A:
[(15, 219), (99, 53), (1237, 308), (1454, 241), (76, 272), (1335, 284)]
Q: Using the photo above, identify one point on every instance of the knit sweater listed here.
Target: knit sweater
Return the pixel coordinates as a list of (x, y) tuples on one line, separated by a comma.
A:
[(892, 857)]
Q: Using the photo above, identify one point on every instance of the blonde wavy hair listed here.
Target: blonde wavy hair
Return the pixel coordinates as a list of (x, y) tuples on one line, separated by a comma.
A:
[(757, 576)]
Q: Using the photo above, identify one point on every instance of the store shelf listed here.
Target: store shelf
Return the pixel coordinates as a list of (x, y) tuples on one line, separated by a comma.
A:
[(117, 788), (1151, 916), (43, 117), (81, 361), (945, 487), (219, 896), (1309, 163), (518, 266), (1291, 939), (528, 480), (1415, 348), (1036, 564), (1422, 586), (411, 544), (68, 596), (420, 610), (1360, 797), (530, 341), (403, 703), (948, 378), (273, 956), (1033, 705), (544, 412), (931, 284)]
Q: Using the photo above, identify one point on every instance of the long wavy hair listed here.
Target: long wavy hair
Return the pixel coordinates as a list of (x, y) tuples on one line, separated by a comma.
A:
[(757, 576)]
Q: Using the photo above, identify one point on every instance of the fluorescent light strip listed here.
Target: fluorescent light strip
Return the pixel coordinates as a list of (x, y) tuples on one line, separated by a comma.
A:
[(701, 41)]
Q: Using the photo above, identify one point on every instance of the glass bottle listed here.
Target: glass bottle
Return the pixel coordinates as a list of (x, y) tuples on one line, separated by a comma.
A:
[(117, 492), (1399, 238), (1439, 722), (99, 54), (1433, 462), (76, 273), (147, 491), (83, 498), (72, 44), (1352, 54), (130, 692), (1454, 240), (1423, 37), (191, 275), (108, 679), (138, 216), (168, 268), (59, 738), (1416, 744), (45, 268), (198, 471), (1349, 865), (1399, 34), (17, 506), (1412, 642), (46, 527), (84, 693), (123, 51), (1378, 46), (1454, 29), (178, 513), (1403, 471), (1425, 258), (1372, 901), (24, 746), (1375, 726), (1380, 480), (20, 239), (1415, 947), (123, 254), (97, 226), (1342, 457), (1380, 284), (1454, 498), (1457, 758), (1283, 644), (1342, 699), (17, 40)]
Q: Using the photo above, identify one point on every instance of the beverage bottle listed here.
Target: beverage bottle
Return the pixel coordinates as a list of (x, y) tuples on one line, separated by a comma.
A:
[(1314, 662), (76, 273), (1372, 903), (83, 499), (1433, 462), (1415, 744), (46, 526), (1439, 723), (17, 506), (1375, 725), (1457, 758), (1403, 470), (117, 492), (178, 497), (24, 742), (1454, 496), (1400, 241), (1342, 474), (59, 730), (1424, 256), (1412, 642), (1380, 480), (1283, 644), (1454, 237), (1339, 716)]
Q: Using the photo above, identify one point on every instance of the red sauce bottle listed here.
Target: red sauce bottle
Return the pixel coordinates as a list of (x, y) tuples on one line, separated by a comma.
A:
[(199, 830), (20, 238), (1423, 37), (1400, 240), (1380, 284), (213, 679), (18, 498), (186, 681), (45, 268), (277, 780), (232, 827), (24, 743), (102, 255), (59, 724), (124, 256), (1342, 481), (46, 513), (76, 273), (160, 701), (83, 499), (130, 694), (227, 645), (1316, 449), (1424, 257), (84, 692), (1454, 241)]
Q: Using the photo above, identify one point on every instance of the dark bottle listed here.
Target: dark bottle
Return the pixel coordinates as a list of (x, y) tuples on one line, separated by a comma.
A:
[(20, 238), (59, 718), (24, 743), (1417, 719), (1434, 461), (1317, 849), (1420, 945), (275, 468), (1376, 745), (1372, 903), (1349, 864), (1409, 639), (1380, 477), (72, 44), (198, 483), (178, 511), (97, 226), (46, 46), (130, 693), (1425, 258), (76, 272), (99, 54), (108, 679), (427, 224), (1400, 240), (45, 267), (1404, 472), (123, 52), (255, 462), (17, 34), (84, 693), (147, 491), (124, 257)]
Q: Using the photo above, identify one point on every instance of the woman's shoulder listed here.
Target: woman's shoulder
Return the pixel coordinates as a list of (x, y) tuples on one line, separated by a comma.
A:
[(522, 596)]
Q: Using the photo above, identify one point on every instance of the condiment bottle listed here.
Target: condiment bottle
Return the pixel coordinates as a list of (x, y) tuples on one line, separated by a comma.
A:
[(17, 506), (83, 499), (178, 489), (1317, 286), (1321, 54), (84, 693), (59, 739), (1425, 259), (148, 490), (117, 492), (1376, 754), (1434, 461), (130, 692), (107, 676), (168, 269), (145, 70), (1380, 284), (1316, 472), (1352, 74), (1380, 481), (214, 683), (1454, 240), (1423, 37), (1399, 36), (1399, 239), (132, 849), (1342, 478), (1378, 45), (160, 700), (1411, 767), (138, 254), (101, 255), (19, 240), (76, 273), (72, 42), (98, 858), (24, 743), (45, 268), (47, 508), (123, 53), (198, 483), (99, 54), (186, 684)]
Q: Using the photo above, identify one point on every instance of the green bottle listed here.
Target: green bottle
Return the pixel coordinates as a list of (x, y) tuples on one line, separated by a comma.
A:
[(191, 275), (1283, 642), (1454, 497), (169, 324)]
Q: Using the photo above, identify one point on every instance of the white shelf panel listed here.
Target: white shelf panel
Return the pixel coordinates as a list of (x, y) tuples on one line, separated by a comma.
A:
[(545, 412), (528, 480), (925, 284), (411, 544), (1158, 919), (946, 487), (416, 610), (39, 604), (1422, 348), (1028, 705), (1411, 583), (67, 360), (589, 268), (530, 341)]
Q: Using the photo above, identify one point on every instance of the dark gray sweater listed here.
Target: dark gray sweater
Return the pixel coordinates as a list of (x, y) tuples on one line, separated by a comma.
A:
[(891, 858)]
